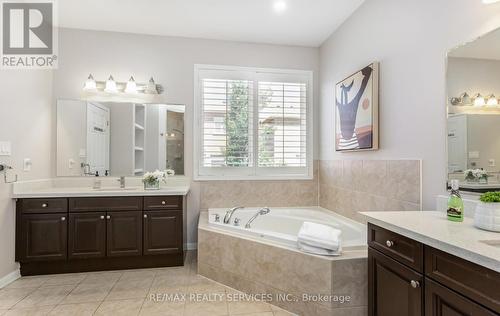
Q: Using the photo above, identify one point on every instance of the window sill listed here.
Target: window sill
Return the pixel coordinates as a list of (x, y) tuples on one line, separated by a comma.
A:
[(254, 178)]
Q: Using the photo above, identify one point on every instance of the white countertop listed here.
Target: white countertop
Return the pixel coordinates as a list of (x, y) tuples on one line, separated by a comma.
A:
[(433, 229), (89, 192), (82, 187)]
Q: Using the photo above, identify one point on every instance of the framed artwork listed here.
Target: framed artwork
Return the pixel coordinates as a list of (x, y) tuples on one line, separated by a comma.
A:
[(356, 111)]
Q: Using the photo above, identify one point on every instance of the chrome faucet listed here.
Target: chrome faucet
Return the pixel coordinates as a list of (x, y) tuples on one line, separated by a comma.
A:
[(122, 182), (229, 214), (262, 211)]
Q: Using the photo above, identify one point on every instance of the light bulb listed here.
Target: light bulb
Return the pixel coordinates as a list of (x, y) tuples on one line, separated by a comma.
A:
[(131, 86), (90, 84), (492, 100), (479, 100), (490, 1), (151, 88), (111, 85), (279, 6)]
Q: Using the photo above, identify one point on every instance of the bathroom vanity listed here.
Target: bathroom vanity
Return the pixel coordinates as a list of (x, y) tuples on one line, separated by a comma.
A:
[(421, 264), (74, 230)]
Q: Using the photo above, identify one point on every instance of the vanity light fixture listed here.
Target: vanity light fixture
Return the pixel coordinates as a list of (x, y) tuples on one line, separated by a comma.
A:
[(111, 85), (479, 100), (492, 100), (131, 86), (90, 84)]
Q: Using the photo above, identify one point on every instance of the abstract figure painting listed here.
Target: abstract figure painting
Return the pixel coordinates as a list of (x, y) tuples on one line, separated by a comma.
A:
[(356, 111)]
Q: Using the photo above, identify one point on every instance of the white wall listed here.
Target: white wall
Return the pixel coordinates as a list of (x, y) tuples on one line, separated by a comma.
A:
[(25, 120), (171, 62), (410, 38)]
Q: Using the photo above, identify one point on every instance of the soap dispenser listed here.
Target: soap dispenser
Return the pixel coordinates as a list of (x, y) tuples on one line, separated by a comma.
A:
[(97, 181), (455, 210)]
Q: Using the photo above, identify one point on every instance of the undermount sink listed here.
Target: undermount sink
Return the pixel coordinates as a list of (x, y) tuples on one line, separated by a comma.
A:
[(494, 243), (118, 189)]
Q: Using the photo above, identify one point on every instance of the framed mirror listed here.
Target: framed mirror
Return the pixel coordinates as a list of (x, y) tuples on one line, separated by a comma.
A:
[(118, 139), (473, 127)]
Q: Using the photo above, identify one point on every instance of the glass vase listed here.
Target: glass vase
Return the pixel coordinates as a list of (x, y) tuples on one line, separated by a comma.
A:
[(152, 185)]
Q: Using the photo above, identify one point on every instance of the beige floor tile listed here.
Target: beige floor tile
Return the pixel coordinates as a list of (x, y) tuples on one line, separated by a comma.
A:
[(10, 297), (283, 313), (109, 278), (255, 314), (64, 279), (121, 307), (27, 282), (130, 289), (45, 296), (246, 307), (31, 311), (171, 280), (206, 287), (133, 275), (82, 309), (206, 309), (86, 293), (164, 308)]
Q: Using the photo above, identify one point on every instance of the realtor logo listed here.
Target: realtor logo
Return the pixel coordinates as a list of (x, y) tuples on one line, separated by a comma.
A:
[(28, 35)]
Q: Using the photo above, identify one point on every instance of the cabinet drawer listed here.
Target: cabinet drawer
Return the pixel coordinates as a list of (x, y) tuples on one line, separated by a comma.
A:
[(476, 282), (33, 206), (162, 203), (400, 248), (105, 204)]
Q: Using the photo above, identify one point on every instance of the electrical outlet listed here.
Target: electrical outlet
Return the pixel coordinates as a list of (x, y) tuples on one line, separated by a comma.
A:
[(27, 164), (5, 148), (491, 162)]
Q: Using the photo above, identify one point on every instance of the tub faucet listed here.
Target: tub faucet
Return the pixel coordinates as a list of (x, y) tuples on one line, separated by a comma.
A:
[(262, 211), (229, 214)]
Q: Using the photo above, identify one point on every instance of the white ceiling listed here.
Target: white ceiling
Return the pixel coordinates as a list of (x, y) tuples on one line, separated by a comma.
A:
[(304, 22), (485, 47)]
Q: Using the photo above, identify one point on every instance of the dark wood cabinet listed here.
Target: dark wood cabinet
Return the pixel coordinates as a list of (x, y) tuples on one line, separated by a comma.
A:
[(441, 301), (162, 233), (406, 277), (87, 235), (43, 237), (394, 289), (61, 235), (124, 234)]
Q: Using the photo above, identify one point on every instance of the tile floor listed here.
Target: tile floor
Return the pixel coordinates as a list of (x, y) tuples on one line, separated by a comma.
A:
[(129, 292)]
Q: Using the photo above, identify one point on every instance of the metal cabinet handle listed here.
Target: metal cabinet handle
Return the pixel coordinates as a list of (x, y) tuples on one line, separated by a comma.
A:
[(145, 216), (414, 284), (44, 205), (163, 202), (63, 218), (102, 216), (389, 243), (108, 216)]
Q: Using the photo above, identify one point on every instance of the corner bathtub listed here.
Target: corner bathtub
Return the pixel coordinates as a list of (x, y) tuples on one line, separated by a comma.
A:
[(282, 224), (265, 259)]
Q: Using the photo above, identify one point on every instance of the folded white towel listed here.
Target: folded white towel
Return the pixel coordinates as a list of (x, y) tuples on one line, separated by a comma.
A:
[(320, 236), (317, 251)]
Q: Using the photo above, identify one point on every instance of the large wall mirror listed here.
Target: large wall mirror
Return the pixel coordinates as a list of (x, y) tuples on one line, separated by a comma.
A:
[(473, 85), (118, 139)]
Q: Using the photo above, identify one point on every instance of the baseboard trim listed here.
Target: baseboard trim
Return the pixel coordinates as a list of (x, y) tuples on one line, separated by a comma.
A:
[(9, 278), (191, 246)]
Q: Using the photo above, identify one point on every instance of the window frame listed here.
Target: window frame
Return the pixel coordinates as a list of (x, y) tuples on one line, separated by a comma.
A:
[(255, 172)]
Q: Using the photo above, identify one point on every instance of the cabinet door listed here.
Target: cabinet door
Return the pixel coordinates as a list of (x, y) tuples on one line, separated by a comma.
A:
[(87, 235), (440, 301), (124, 233), (43, 237), (162, 232), (394, 289)]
